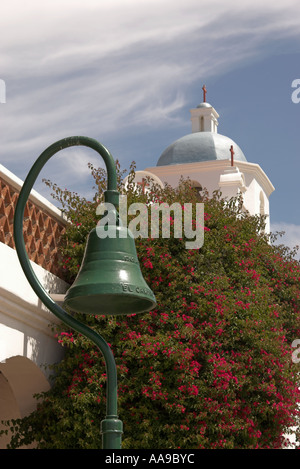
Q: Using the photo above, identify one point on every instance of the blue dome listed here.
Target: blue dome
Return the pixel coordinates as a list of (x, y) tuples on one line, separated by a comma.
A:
[(198, 147), (204, 105)]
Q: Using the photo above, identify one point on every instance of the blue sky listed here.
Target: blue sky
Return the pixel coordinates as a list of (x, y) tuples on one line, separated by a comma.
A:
[(127, 72)]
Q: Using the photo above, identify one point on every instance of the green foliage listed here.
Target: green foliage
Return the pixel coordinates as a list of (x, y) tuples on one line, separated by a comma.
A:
[(210, 367)]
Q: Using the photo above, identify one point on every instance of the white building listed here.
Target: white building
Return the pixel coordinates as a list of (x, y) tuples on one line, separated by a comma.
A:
[(27, 343), (213, 161)]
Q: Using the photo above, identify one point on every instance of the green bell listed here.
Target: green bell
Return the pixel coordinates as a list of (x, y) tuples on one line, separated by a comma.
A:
[(110, 280)]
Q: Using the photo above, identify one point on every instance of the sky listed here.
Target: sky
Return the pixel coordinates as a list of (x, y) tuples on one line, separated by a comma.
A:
[(127, 73)]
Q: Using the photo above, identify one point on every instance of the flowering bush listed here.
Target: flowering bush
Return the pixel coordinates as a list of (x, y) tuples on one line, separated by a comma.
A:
[(210, 367)]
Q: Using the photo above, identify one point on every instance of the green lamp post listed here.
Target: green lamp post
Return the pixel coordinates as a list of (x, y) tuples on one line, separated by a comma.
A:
[(109, 280)]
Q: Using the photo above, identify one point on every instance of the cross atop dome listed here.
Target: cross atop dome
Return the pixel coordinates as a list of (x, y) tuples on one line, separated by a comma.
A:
[(204, 93), (232, 154), (204, 117)]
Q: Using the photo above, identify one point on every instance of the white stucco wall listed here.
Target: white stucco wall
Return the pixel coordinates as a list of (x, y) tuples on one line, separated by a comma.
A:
[(208, 174), (24, 321), (27, 343)]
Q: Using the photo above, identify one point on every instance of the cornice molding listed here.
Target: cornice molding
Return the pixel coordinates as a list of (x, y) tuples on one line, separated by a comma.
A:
[(220, 165), (16, 308)]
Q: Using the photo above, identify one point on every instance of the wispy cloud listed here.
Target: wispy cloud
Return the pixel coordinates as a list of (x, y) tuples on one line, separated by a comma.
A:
[(290, 236), (101, 68)]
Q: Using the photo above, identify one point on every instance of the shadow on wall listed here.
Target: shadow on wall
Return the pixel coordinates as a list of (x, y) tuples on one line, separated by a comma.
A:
[(20, 379)]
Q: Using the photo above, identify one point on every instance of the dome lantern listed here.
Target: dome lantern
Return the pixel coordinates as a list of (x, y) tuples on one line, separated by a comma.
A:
[(204, 117)]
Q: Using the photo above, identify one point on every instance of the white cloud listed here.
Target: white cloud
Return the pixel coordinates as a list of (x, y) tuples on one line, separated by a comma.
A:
[(291, 236), (99, 68)]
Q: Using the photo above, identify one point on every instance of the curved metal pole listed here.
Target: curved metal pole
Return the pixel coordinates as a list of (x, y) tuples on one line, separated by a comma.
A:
[(111, 427)]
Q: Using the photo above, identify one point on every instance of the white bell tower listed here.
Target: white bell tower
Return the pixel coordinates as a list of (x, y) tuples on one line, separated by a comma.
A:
[(204, 117)]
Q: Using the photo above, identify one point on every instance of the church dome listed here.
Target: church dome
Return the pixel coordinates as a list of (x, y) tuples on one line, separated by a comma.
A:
[(198, 147), (207, 105)]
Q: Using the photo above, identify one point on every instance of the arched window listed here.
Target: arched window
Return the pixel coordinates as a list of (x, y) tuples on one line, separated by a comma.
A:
[(202, 124), (261, 203), (197, 188)]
